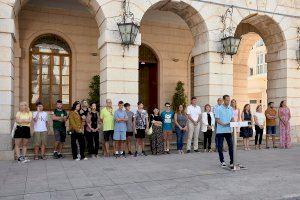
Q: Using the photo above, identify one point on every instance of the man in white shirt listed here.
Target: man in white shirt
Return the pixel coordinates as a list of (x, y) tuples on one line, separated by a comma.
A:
[(194, 116), (40, 127)]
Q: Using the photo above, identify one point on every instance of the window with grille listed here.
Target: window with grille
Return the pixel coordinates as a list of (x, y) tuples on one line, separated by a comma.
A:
[(50, 71)]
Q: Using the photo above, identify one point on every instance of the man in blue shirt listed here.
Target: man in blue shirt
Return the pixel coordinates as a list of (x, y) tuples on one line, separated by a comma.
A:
[(224, 115), (167, 117), (121, 118)]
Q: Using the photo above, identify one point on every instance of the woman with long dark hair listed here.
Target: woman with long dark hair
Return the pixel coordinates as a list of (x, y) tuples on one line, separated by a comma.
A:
[(77, 127), (284, 115), (180, 120), (157, 137), (246, 132), (92, 130)]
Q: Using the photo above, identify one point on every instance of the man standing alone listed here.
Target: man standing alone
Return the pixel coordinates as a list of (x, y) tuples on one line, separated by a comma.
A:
[(224, 115), (194, 116)]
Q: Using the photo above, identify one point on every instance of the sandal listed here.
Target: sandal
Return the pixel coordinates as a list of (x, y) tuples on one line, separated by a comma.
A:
[(36, 157), (44, 157)]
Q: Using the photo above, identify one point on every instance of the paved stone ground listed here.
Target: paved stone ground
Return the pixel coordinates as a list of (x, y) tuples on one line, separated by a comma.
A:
[(272, 174)]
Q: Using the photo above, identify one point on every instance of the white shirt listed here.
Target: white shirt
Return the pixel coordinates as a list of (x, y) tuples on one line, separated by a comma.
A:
[(194, 112), (41, 124), (260, 118)]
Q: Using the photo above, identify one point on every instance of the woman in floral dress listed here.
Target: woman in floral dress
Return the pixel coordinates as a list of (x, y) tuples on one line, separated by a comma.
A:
[(284, 115)]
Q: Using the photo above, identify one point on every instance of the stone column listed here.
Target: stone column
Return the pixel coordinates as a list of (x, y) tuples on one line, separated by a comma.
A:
[(6, 87), (118, 68), (212, 78)]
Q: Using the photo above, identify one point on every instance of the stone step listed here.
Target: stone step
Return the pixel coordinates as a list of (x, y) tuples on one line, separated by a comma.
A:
[(67, 147)]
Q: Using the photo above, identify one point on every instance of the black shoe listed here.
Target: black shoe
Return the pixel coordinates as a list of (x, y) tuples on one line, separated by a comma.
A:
[(188, 151), (144, 153), (168, 152), (136, 154), (60, 155), (55, 155), (129, 153), (196, 150), (116, 155)]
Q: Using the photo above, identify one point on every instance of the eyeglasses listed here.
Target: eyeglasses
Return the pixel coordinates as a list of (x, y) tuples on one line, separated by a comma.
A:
[(168, 106)]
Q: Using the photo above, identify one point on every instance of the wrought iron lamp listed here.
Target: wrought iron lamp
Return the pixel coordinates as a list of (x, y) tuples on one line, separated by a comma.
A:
[(229, 41), (128, 28)]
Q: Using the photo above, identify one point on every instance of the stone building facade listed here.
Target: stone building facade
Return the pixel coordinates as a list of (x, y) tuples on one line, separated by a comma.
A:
[(174, 35)]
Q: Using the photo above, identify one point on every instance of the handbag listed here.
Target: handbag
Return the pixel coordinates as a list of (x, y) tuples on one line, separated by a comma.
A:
[(13, 130), (150, 131)]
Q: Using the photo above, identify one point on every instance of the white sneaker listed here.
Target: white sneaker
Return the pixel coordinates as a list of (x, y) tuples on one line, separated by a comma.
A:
[(26, 160), (223, 164), (77, 159), (85, 159)]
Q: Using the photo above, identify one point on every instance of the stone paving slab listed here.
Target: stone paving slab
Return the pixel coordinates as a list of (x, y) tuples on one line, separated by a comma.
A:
[(272, 174)]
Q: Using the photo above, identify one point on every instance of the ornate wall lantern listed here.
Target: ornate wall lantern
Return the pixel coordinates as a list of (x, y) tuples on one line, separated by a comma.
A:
[(298, 50), (128, 28), (229, 41)]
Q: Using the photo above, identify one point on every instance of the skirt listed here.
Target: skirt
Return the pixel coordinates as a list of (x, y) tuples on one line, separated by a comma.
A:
[(246, 132), (22, 132)]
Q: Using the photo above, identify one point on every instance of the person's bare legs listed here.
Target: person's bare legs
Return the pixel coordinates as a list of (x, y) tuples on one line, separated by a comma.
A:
[(107, 148), (36, 150), (142, 144), (267, 140), (17, 146), (24, 148), (128, 143), (165, 141), (61, 145), (274, 142), (245, 143), (43, 149)]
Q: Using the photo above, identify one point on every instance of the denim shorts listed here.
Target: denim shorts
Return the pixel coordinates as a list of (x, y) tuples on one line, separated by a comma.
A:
[(271, 130), (120, 135)]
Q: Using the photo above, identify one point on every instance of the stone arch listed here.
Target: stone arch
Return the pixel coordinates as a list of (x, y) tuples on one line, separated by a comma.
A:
[(194, 35), (93, 6), (250, 29)]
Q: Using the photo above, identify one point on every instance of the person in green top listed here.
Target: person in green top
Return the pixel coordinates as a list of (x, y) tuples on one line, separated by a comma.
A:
[(107, 119), (59, 117)]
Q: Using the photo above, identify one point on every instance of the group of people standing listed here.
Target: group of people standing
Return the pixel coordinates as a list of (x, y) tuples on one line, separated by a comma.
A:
[(122, 124)]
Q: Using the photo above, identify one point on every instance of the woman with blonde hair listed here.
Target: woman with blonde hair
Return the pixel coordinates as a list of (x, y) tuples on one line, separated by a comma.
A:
[(207, 127), (236, 112), (260, 121), (22, 132)]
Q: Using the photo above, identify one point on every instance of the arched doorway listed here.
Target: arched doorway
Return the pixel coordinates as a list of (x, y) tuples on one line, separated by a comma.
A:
[(177, 32), (253, 30), (50, 66), (148, 77)]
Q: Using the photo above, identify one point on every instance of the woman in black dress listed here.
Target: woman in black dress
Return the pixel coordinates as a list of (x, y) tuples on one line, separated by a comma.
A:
[(157, 139), (247, 132), (92, 134)]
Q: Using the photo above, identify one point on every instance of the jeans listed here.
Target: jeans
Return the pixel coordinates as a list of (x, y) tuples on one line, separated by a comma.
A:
[(220, 139), (258, 133), (180, 137), (92, 139), (207, 139), (80, 137)]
